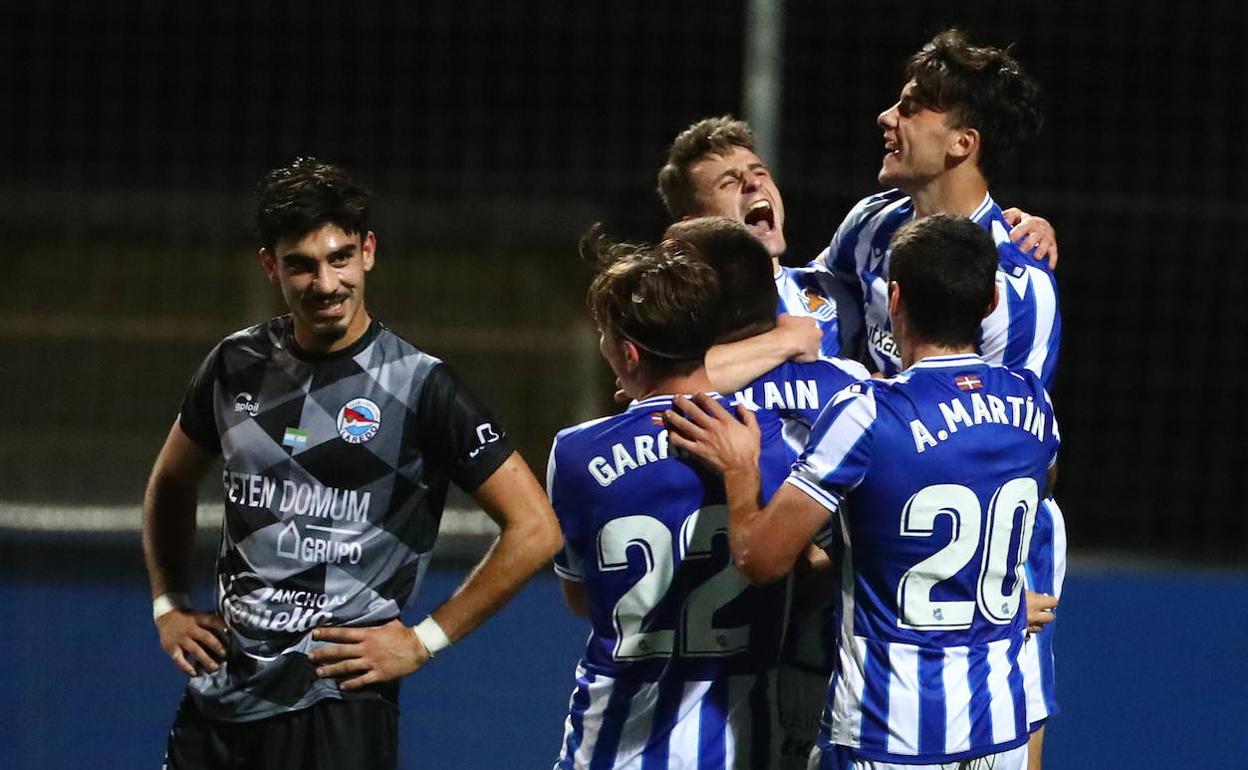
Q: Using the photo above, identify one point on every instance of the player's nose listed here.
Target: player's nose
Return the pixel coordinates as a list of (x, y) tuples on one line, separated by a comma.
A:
[(888, 118), (326, 278)]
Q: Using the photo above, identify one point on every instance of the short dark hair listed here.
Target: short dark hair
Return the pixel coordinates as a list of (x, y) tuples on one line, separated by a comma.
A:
[(298, 198), (980, 87), (661, 297), (747, 288), (709, 135), (946, 266)]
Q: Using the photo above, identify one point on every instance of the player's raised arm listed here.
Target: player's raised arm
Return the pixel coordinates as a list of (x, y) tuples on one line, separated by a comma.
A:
[(733, 365), (187, 636)]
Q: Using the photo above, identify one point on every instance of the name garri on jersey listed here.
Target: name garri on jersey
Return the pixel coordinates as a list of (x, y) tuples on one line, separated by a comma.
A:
[(986, 409)]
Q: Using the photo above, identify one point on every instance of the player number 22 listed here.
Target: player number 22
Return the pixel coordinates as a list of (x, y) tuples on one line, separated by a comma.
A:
[(1013, 504), (699, 637)]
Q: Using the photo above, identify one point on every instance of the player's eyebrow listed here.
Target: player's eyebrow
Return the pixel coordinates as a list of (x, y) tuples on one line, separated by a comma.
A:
[(296, 257), (730, 173)]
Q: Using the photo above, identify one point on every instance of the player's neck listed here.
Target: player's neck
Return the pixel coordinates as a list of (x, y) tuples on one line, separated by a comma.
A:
[(921, 350), (694, 382), (960, 190)]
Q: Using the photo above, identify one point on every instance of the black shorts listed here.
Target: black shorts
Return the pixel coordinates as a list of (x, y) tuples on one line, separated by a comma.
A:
[(329, 735)]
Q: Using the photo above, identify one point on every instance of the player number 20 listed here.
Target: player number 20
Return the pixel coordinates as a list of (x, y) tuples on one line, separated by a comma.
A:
[(1013, 504), (651, 537)]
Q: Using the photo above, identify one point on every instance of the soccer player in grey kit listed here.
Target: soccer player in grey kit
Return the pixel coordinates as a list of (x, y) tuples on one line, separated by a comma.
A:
[(338, 440)]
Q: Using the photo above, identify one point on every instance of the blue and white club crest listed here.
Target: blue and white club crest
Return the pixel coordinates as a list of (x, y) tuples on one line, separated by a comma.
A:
[(358, 420)]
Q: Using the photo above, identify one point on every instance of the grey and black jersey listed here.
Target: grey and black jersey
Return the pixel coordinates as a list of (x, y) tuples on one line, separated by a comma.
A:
[(335, 475)]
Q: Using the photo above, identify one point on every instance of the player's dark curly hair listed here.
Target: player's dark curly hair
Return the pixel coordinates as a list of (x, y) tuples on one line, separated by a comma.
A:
[(661, 297), (979, 87), (296, 199), (709, 135), (946, 266), (747, 290)]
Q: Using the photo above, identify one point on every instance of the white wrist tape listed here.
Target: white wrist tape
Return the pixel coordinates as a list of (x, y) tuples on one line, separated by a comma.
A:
[(168, 602), (431, 635)]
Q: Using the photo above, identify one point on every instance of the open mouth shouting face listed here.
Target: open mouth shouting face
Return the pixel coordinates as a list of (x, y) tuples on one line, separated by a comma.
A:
[(738, 185)]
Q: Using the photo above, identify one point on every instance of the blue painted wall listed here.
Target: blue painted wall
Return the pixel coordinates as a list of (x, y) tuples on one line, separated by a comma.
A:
[(1153, 674)]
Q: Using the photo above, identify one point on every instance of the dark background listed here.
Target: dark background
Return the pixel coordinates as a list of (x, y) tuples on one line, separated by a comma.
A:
[(494, 133)]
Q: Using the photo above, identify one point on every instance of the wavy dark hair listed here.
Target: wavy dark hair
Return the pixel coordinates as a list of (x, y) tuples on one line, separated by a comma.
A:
[(980, 87), (298, 198)]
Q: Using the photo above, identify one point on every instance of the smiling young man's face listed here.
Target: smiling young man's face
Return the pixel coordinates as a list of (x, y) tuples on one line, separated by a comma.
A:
[(738, 185), (918, 142), (321, 276)]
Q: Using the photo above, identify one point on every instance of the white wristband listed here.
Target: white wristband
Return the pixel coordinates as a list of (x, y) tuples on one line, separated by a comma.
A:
[(431, 635), (168, 602)]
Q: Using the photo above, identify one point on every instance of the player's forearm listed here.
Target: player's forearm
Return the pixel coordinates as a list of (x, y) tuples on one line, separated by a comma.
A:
[(734, 365), (747, 535), (524, 547), (168, 533)]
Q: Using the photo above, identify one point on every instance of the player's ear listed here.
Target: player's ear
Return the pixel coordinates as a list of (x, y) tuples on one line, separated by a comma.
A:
[(268, 260), (965, 143), (369, 249), (996, 297), (632, 355), (894, 298)]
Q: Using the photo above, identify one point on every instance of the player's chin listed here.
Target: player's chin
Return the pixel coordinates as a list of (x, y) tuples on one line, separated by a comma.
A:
[(774, 241), (328, 329)]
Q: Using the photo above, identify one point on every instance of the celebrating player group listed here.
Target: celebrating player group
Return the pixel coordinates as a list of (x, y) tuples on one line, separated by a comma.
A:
[(821, 534)]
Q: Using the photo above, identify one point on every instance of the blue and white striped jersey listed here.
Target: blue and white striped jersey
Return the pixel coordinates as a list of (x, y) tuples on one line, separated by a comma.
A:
[(1022, 333), (677, 665), (934, 479), (815, 292)]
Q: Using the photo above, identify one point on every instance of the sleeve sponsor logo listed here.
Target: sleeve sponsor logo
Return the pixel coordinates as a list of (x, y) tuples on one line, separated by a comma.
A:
[(359, 420), (485, 435)]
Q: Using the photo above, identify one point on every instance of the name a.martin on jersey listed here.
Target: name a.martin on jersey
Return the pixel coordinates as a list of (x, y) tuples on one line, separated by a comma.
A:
[(988, 409), (882, 340), (302, 499)]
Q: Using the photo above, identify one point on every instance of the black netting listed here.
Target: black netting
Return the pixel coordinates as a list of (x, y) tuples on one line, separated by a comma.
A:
[(495, 132)]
